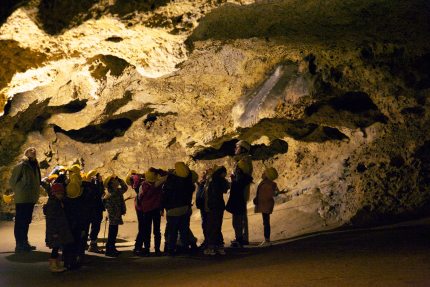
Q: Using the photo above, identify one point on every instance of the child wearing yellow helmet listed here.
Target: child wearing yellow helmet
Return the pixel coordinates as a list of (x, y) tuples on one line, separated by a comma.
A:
[(115, 206), (264, 201)]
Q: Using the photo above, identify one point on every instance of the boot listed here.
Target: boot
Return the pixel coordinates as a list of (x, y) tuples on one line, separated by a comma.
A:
[(53, 266), (94, 248), (71, 261), (82, 259), (111, 251), (22, 247), (59, 266)]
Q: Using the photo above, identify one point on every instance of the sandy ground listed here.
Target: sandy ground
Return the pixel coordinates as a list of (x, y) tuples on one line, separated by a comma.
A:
[(397, 255)]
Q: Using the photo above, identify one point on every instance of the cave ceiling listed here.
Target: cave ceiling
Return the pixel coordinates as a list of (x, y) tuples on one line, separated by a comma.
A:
[(333, 94)]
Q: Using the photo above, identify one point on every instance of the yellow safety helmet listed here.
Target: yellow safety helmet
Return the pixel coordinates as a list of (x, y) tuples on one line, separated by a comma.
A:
[(107, 179), (73, 190), (194, 176), (150, 176), (181, 169), (75, 169), (128, 176), (271, 173), (92, 173), (8, 198)]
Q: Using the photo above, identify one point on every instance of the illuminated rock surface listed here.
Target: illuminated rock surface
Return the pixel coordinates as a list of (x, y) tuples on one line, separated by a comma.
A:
[(333, 94)]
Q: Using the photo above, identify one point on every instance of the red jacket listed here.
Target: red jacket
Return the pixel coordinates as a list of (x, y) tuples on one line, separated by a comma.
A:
[(264, 199), (149, 197)]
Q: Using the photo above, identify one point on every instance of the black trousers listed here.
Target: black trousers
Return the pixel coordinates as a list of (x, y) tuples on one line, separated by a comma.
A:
[(23, 216), (113, 233), (147, 220), (266, 224), (215, 237)]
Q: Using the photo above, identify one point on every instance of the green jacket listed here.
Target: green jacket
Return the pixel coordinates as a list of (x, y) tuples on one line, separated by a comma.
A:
[(25, 182)]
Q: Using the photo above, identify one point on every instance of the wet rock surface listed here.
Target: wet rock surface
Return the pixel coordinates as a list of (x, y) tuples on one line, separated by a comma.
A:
[(333, 95)]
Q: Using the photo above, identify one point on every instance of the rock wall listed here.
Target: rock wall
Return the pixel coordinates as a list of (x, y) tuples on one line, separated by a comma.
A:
[(333, 94)]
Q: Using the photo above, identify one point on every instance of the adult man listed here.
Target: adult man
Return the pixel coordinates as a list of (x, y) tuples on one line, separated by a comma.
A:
[(242, 154), (25, 182)]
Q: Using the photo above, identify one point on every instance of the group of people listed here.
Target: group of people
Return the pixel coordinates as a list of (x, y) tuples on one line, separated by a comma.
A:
[(74, 210)]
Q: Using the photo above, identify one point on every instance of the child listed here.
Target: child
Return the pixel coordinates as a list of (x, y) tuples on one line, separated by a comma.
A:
[(215, 187), (57, 228), (236, 204), (115, 206), (264, 201), (147, 206)]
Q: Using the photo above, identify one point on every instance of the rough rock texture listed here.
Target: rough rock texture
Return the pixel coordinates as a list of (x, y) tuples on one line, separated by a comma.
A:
[(333, 94)]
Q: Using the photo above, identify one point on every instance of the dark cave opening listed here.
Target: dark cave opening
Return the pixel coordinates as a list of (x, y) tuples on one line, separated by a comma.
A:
[(74, 106), (263, 152), (98, 133), (333, 133), (363, 111), (226, 149), (258, 152), (354, 102), (114, 39)]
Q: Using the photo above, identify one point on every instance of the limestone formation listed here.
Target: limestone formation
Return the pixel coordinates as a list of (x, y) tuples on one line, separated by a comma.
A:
[(333, 94)]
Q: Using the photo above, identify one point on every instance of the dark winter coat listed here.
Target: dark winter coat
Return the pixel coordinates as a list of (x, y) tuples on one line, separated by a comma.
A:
[(217, 186), (177, 191), (236, 203), (95, 201), (56, 224)]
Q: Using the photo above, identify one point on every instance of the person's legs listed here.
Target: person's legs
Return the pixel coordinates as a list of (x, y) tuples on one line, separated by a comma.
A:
[(205, 224), (173, 222), (245, 232), (139, 238), (147, 224), (184, 231), (156, 220), (54, 253), (215, 225), (95, 227), (55, 262), (266, 224), (238, 226), (23, 217), (96, 223), (110, 245), (220, 238)]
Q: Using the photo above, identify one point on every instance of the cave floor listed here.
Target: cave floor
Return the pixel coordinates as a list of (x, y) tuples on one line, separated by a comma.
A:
[(396, 255)]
